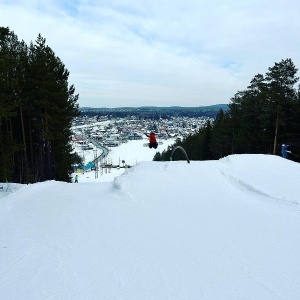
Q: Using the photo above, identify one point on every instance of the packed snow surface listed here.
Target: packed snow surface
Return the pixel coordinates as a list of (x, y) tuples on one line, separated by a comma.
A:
[(227, 229)]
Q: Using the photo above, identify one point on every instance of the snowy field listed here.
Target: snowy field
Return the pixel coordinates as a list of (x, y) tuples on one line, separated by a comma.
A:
[(226, 229), (131, 152)]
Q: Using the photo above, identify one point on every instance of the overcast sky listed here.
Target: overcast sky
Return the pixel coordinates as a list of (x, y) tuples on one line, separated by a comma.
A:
[(160, 52)]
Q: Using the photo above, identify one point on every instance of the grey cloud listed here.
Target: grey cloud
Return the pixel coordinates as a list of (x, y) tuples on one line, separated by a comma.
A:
[(163, 52)]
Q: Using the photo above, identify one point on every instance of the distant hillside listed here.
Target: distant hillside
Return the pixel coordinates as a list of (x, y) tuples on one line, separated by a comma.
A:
[(156, 112)]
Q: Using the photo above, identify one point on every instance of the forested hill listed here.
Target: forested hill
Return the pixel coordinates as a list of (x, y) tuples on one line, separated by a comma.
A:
[(37, 106), (156, 112)]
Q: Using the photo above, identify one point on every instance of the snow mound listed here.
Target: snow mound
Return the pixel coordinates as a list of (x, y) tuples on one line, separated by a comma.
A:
[(162, 230), (268, 175)]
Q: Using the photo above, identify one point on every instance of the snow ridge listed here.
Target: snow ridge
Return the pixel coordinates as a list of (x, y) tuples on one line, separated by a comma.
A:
[(162, 230)]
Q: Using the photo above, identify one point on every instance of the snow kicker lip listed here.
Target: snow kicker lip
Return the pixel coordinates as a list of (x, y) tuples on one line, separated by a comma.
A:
[(242, 185)]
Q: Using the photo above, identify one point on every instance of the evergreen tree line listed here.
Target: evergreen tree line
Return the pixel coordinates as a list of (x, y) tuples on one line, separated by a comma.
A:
[(259, 120), (154, 113), (36, 110)]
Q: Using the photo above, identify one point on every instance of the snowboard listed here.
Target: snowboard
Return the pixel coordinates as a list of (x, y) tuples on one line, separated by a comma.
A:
[(147, 144)]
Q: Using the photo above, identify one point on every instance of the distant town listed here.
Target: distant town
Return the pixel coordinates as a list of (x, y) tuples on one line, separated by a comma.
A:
[(112, 131), (96, 130)]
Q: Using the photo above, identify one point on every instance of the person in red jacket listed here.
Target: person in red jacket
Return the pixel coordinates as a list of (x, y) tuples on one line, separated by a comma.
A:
[(152, 140)]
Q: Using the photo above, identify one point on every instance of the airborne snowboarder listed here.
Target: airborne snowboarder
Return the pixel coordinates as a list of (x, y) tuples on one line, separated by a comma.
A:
[(152, 140)]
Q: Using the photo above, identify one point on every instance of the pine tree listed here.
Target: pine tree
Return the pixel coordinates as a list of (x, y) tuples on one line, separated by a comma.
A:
[(281, 79), (266, 113), (36, 110), (11, 85), (55, 105)]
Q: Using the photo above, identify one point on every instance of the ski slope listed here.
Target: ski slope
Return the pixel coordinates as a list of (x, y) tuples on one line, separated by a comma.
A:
[(226, 229)]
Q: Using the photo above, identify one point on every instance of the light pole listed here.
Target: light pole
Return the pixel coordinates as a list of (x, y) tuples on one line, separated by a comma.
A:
[(95, 161)]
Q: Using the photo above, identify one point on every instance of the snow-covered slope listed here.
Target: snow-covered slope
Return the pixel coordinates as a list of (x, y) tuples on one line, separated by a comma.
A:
[(226, 229)]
